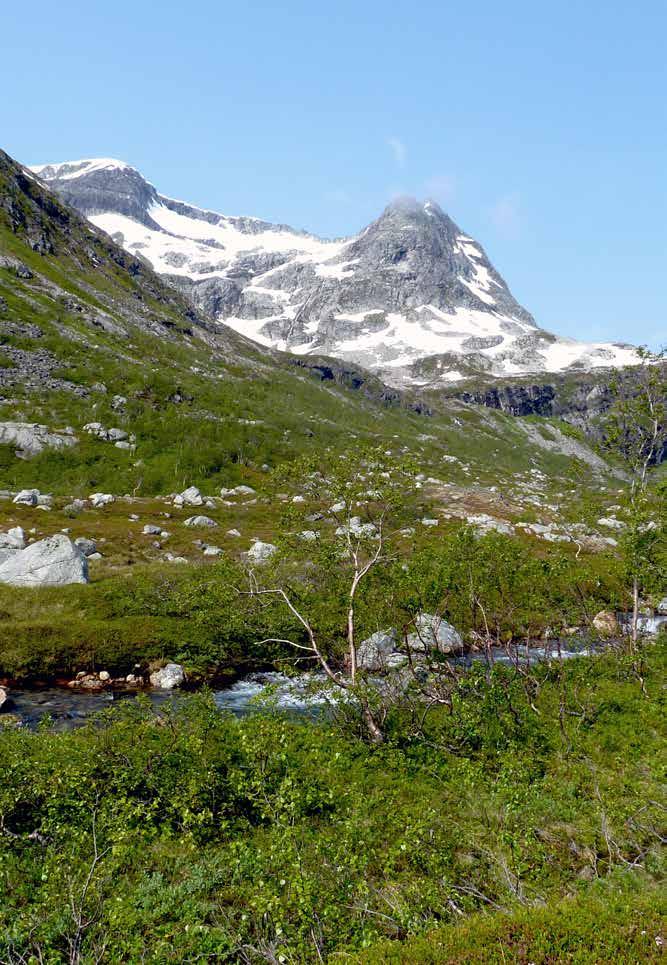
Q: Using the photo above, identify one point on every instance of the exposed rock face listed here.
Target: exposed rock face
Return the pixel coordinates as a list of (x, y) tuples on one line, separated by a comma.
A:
[(54, 561), (168, 677), (411, 297), (29, 438)]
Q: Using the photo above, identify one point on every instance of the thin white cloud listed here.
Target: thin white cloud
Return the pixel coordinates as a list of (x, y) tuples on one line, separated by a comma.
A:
[(505, 215), (399, 150)]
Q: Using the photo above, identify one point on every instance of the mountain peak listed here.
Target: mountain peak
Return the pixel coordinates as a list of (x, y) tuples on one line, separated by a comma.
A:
[(411, 286), (66, 170)]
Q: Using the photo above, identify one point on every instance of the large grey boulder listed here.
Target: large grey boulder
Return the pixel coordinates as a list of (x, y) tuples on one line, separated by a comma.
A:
[(54, 561), (168, 677), (30, 438), (434, 633), (4, 696), (378, 652)]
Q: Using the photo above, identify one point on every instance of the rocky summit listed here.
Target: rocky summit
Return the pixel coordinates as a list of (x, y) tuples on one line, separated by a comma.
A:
[(412, 297)]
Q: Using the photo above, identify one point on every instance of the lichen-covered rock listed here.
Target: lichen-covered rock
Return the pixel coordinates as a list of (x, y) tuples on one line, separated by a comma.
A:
[(54, 561)]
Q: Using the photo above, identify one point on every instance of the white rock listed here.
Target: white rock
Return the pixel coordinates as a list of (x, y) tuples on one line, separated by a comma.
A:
[(298, 499), (27, 497), (260, 552), (429, 522), (356, 528), (309, 535), (337, 508), (98, 500), (200, 521), (168, 677), (434, 633), (13, 539), (104, 675), (212, 551), (611, 522), (662, 607), (29, 438), (190, 497), (54, 561), (150, 529), (233, 532), (374, 652)]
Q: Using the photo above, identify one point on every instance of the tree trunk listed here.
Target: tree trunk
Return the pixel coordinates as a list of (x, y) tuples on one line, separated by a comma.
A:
[(635, 610), (372, 727)]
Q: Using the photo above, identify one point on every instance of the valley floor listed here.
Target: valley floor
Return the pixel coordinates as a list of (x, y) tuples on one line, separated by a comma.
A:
[(521, 825)]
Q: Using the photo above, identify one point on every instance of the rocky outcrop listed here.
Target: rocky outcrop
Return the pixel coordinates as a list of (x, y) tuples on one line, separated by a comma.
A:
[(30, 438), (54, 561)]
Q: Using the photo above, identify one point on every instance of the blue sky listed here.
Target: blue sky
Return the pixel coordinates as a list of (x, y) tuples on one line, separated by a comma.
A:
[(541, 128)]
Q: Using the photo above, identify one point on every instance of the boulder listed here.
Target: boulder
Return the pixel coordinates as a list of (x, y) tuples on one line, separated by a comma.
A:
[(54, 561), (233, 532), (356, 528), (189, 497), (662, 607), (212, 551), (200, 521), (606, 624), (29, 439), (13, 539), (377, 651), (168, 677), (261, 552), (87, 546), (238, 491), (434, 633), (98, 500), (150, 529), (4, 697), (27, 497), (309, 535)]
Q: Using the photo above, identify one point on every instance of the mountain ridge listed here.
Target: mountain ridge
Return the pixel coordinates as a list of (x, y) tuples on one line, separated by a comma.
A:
[(411, 297)]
